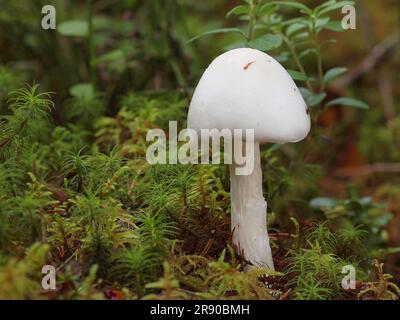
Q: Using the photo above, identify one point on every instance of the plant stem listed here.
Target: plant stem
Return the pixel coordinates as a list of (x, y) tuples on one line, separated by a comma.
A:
[(319, 56), (92, 52), (320, 69), (297, 61), (252, 21)]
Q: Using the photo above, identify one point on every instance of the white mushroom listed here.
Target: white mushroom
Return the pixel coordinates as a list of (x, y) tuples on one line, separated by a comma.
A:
[(247, 89)]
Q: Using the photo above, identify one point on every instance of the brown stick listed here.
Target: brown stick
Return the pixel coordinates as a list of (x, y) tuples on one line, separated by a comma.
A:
[(386, 92), (285, 296), (369, 63), (369, 169)]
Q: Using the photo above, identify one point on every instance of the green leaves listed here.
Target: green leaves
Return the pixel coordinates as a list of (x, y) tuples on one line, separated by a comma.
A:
[(86, 103), (316, 99), (334, 73), (349, 102), (30, 100), (323, 203), (73, 28), (266, 42), (320, 23), (295, 27), (112, 56), (115, 60), (82, 91), (218, 31), (312, 99), (334, 26), (30, 117), (266, 9), (239, 10), (296, 5), (296, 75), (332, 6)]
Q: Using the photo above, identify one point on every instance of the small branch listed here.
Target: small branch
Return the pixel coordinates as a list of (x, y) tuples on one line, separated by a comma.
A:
[(104, 4), (368, 170), (286, 295), (92, 50), (386, 92), (297, 61), (319, 56), (369, 63), (277, 235), (252, 21)]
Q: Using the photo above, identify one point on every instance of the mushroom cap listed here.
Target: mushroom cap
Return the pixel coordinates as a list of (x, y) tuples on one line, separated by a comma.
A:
[(247, 89)]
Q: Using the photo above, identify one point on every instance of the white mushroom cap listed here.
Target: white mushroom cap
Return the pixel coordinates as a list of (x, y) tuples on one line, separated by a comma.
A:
[(247, 89)]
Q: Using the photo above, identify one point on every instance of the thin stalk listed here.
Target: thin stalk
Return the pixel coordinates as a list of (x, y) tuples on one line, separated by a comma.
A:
[(44, 228), (297, 61), (253, 19), (92, 52), (320, 69), (319, 56)]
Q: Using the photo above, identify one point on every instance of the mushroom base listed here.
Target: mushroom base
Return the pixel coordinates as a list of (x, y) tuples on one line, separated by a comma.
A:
[(249, 215)]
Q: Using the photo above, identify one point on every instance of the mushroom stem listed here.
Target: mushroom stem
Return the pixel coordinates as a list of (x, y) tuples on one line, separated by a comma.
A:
[(249, 214)]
